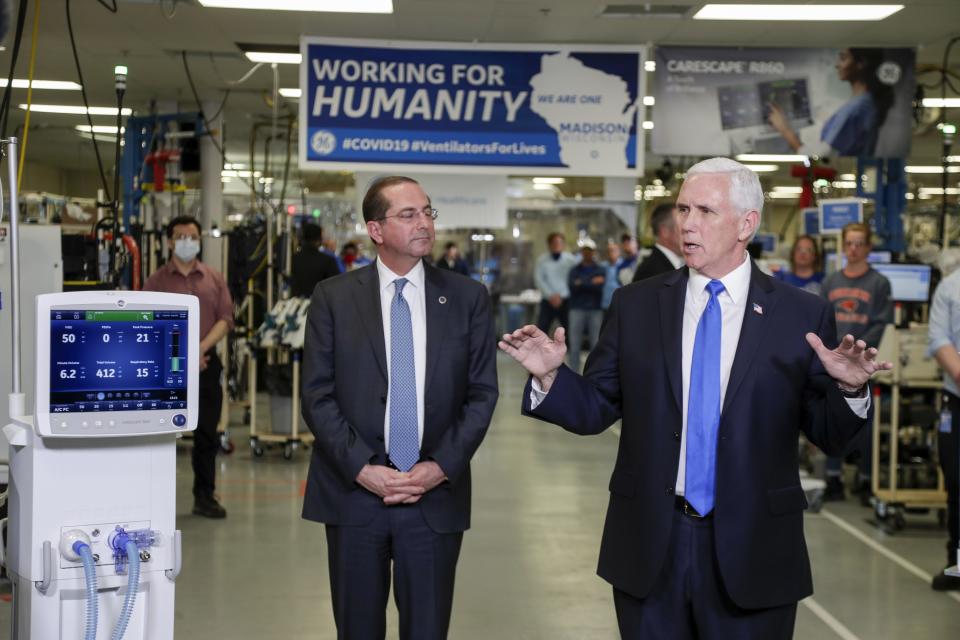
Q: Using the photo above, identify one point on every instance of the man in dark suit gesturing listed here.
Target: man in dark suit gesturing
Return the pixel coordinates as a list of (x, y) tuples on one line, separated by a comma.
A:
[(399, 387), (704, 531)]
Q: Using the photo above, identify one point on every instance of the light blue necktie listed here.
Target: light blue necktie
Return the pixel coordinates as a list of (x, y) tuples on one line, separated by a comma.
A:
[(404, 434), (703, 405)]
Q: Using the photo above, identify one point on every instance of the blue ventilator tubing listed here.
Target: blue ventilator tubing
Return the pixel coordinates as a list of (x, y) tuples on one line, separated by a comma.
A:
[(133, 581), (90, 574)]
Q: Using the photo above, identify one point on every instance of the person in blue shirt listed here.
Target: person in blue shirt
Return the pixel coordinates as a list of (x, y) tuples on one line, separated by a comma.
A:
[(550, 275), (329, 247), (805, 270), (611, 284), (852, 129), (586, 296), (629, 258), (943, 344)]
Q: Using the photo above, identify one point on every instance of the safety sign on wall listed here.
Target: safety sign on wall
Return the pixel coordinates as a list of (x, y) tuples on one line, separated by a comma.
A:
[(450, 107)]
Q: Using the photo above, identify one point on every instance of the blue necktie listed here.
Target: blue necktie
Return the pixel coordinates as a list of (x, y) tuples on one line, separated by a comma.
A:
[(404, 434), (703, 405)]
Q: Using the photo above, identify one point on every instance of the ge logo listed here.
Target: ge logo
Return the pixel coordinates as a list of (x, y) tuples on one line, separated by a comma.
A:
[(323, 142), (889, 73)]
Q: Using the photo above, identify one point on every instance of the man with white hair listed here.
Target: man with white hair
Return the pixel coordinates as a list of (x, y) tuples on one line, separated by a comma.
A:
[(704, 531)]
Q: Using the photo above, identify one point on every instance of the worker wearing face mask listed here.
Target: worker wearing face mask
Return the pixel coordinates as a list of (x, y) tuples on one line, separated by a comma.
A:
[(185, 273)]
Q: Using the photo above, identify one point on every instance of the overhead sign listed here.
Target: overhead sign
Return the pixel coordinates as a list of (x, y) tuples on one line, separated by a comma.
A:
[(450, 107), (823, 102), (768, 241), (463, 201), (811, 221), (838, 213)]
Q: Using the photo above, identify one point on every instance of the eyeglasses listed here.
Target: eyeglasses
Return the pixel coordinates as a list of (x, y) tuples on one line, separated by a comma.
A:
[(408, 215)]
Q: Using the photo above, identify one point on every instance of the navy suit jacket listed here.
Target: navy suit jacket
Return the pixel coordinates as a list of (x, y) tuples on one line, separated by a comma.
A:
[(344, 391), (777, 388), (653, 265)]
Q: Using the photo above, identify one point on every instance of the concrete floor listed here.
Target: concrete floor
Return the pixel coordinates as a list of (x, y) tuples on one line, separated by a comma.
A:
[(527, 567)]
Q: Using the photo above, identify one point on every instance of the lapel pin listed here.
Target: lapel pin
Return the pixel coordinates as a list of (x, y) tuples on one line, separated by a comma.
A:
[(757, 309), (443, 300)]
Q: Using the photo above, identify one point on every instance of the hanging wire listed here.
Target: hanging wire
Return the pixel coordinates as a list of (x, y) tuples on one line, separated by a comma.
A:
[(33, 60)]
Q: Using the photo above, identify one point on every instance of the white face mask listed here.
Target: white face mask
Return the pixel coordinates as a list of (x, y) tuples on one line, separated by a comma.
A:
[(186, 249)]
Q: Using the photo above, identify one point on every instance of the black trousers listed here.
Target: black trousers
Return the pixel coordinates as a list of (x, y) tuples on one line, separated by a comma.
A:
[(688, 601), (423, 565), (206, 440), (549, 313), (948, 447)]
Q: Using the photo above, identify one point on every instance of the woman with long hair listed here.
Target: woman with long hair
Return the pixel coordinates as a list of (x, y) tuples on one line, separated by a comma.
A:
[(805, 269)]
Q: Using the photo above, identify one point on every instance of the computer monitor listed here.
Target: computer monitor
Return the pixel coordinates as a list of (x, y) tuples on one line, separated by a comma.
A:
[(874, 258), (116, 363), (748, 105), (908, 282)]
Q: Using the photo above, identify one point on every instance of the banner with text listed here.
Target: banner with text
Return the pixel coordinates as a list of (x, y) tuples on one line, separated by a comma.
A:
[(464, 201), (821, 102), (507, 108)]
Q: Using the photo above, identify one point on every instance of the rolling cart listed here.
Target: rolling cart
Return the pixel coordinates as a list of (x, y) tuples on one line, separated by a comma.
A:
[(282, 332), (906, 476)]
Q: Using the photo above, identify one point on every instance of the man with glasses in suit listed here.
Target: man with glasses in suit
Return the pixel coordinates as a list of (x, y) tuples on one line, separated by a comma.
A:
[(399, 387)]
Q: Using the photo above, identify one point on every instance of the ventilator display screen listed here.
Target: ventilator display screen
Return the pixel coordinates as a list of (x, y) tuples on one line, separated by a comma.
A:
[(117, 360)]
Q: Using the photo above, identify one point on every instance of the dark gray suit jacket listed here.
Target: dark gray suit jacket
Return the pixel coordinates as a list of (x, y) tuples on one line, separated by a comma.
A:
[(344, 393)]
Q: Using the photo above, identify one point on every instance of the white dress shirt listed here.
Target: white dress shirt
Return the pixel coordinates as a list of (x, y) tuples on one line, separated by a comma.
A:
[(675, 260), (413, 293), (733, 304)]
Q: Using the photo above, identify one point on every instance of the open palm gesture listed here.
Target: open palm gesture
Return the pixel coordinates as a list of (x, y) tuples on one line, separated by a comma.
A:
[(851, 364), (536, 351)]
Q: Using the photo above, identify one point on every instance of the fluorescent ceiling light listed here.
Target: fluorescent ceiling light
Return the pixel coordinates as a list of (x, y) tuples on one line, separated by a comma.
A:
[(910, 196), (56, 85), (234, 165), (929, 169), (269, 57), (650, 65), (762, 168), (233, 173), (768, 157), (99, 128), (649, 101), (549, 180), (543, 187), (788, 189), (648, 124), (844, 184), (290, 92), (847, 176), (797, 12), (76, 111), (938, 191), (941, 102), (102, 138), (782, 195), (329, 6)]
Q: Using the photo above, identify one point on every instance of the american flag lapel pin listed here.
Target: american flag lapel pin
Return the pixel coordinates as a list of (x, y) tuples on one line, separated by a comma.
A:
[(757, 309)]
